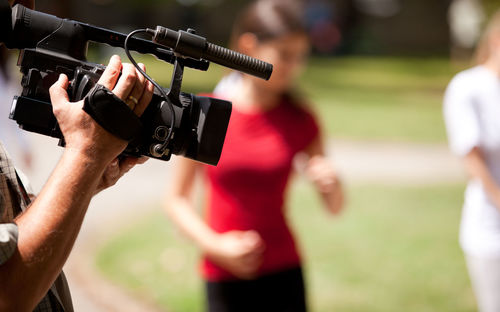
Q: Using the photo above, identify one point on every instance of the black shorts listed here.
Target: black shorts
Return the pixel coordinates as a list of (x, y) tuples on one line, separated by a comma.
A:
[(278, 292)]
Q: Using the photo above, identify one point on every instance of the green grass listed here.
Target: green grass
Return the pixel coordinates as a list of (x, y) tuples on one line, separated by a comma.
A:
[(363, 98), (394, 249), (397, 99)]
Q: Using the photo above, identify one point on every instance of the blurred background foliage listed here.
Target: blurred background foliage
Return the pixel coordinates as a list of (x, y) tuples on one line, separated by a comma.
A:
[(409, 27), (490, 6)]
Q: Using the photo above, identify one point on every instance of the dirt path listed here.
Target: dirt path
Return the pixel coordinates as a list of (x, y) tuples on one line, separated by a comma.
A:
[(402, 163), (358, 162)]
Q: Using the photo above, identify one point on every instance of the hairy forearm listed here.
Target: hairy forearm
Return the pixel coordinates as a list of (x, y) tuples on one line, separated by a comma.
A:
[(49, 227)]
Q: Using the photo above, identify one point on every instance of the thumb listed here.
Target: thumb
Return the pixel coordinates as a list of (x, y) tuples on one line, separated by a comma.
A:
[(58, 94)]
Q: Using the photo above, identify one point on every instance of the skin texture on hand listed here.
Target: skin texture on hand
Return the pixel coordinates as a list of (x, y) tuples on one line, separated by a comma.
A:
[(116, 169), (83, 135), (80, 131)]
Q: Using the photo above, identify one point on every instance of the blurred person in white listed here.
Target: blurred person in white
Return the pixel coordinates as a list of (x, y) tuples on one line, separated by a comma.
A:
[(472, 116), (14, 139)]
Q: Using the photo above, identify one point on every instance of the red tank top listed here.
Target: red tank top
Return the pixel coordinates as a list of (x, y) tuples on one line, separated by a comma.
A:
[(247, 188)]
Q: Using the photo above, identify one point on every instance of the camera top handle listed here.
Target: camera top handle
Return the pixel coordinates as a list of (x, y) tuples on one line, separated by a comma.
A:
[(32, 29)]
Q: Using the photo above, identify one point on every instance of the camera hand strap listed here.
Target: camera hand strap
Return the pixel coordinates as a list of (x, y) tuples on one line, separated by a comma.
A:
[(111, 113)]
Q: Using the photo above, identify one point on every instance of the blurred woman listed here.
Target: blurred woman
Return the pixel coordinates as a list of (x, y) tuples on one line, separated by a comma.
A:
[(251, 261), (472, 115)]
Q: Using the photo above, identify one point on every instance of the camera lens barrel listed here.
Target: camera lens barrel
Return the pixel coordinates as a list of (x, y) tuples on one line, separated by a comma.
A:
[(29, 27)]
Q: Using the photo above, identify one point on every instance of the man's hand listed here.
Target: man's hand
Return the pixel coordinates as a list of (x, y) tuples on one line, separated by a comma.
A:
[(81, 133), (116, 169), (84, 136)]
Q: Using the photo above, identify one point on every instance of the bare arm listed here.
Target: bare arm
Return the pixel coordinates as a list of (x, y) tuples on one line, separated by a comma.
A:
[(49, 227), (239, 252), (322, 174), (47, 231), (179, 207), (477, 169)]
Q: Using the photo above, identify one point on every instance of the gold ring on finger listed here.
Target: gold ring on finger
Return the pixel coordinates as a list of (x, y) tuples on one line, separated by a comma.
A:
[(133, 99)]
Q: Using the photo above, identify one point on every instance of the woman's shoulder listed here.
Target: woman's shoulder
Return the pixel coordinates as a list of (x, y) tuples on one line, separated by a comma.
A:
[(299, 114), (300, 122), (298, 106)]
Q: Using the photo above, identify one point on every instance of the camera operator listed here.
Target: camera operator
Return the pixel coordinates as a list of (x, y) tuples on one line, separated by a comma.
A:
[(36, 238)]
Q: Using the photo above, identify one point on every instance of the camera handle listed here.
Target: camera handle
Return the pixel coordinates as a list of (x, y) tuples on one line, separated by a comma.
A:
[(173, 96)]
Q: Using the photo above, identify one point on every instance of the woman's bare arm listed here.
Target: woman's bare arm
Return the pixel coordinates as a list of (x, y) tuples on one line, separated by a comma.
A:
[(179, 207), (322, 173)]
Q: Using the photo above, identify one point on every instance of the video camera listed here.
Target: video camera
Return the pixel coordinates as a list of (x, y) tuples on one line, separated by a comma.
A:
[(174, 122)]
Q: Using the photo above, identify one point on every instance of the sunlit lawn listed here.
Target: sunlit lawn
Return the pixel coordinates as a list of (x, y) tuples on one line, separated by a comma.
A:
[(394, 249), (380, 99)]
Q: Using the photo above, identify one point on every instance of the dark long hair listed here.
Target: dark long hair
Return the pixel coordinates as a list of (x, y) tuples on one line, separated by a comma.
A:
[(269, 19)]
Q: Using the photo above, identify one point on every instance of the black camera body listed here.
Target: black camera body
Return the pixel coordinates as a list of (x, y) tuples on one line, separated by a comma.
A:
[(195, 125), (199, 130)]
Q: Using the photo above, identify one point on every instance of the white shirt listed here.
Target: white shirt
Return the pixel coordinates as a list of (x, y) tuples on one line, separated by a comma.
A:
[(472, 116), (228, 85)]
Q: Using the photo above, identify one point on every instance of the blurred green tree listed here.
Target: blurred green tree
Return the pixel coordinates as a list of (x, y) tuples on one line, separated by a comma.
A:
[(491, 6)]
